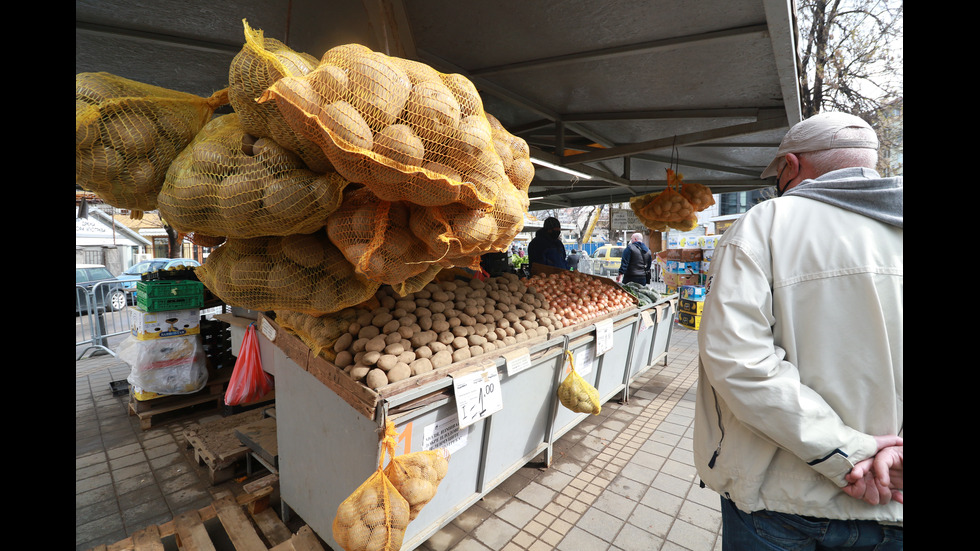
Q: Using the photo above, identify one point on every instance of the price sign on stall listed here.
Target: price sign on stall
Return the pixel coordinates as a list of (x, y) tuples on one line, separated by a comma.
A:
[(603, 337), (477, 394)]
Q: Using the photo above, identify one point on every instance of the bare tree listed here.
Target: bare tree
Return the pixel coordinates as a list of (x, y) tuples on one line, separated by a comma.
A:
[(851, 61)]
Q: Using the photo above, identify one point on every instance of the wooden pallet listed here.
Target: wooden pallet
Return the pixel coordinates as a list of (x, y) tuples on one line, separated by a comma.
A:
[(217, 446), (168, 407), (246, 521)]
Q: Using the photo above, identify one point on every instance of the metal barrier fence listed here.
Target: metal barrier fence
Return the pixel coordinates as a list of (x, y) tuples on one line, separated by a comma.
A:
[(99, 317)]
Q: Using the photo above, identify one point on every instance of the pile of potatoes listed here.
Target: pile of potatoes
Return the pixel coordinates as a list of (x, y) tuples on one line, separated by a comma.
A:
[(398, 337), (373, 518), (229, 183), (127, 133)]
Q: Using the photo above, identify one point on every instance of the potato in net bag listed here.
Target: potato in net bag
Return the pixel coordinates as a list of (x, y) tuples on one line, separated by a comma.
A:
[(374, 236), (302, 272), (258, 65), (320, 333), (399, 127), (638, 203), (668, 206), (576, 394), (374, 517), (416, 476), (514, 154), (229, 183), (127, 133)]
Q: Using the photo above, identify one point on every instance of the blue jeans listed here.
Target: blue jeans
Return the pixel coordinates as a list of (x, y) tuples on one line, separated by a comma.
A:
[(784, 532)]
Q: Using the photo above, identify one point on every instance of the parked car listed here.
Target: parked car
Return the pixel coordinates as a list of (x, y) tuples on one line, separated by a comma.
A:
[(108, 294), (135, 273), (606, 259)]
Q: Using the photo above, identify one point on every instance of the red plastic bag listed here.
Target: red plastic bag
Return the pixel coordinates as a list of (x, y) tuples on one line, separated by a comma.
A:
[(248, 381)]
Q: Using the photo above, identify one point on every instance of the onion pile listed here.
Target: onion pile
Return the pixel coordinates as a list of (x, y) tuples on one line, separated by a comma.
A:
[(577, 297)]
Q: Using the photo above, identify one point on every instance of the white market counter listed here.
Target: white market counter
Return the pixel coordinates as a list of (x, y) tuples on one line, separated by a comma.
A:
[(329, 427)]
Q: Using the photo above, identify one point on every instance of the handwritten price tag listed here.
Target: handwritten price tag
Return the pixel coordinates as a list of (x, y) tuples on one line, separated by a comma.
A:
[(517, 361), (477, 395)]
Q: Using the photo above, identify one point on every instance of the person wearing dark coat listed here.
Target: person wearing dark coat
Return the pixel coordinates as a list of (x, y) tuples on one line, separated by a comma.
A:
[(546, 247), (636, 262)]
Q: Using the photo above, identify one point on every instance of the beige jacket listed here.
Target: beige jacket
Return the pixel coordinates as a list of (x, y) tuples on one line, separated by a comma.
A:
[(801, 358)]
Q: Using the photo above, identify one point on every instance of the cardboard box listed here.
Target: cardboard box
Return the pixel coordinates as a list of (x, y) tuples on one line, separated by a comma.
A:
[(683, 242), (682, 255), (705, 266), (678, 267), (689, 320), (690, 306), (692, 292), (708, 241), (160, 325), (706, 255)]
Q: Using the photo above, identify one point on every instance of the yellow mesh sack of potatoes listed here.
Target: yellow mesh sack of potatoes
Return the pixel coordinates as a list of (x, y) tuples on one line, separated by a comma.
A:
[(258, 65), (374, 236), (416, 476), (576, 394), (302, 272), (127, 133), (229, 183), (320, 333), (374, 516), (399, 127)]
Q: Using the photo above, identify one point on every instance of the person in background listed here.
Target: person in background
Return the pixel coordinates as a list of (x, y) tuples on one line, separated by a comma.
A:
[(546, 247), (573, 259), (800, 377), (635, 265)]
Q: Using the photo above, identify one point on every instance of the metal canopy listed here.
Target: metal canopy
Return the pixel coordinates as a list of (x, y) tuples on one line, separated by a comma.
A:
[(618, 90)]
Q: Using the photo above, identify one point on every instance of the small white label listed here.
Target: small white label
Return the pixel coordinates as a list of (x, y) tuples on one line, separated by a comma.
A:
[(645, 320), (517, 361), (603, 337), (445, 434), (268, 330), (584, 360), (478, 395)]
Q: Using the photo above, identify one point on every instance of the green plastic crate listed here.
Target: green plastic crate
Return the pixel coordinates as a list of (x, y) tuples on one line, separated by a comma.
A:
[(160, 296)]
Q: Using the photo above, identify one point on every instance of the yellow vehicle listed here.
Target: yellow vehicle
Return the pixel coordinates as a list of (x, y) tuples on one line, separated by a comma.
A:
[(606, 259)]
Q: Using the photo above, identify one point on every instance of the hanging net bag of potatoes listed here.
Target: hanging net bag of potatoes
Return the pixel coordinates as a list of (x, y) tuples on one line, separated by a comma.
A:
[(127, 133), (514, 154), (302, 272), (260, 63), (576, 394), (374, 236), (399, 127), (639, 203), (416, 476), (374, 517), (229, 183)]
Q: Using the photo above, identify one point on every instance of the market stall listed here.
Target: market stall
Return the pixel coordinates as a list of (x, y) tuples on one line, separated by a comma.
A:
[(329, 429)]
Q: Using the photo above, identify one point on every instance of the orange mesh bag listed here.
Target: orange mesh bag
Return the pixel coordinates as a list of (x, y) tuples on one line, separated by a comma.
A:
[(668, 206), (374, 236), (374, 517), (416, 476), (514, 154), (458, 235), (127, 133), (302, 272), (229, 183), (399, 127), (258, 65), (639, 203)]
